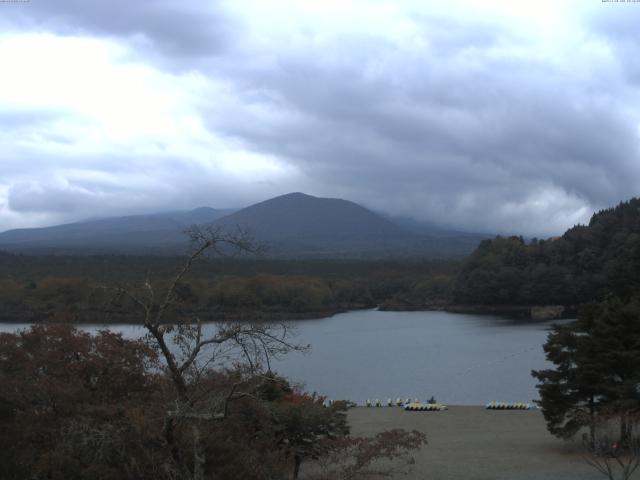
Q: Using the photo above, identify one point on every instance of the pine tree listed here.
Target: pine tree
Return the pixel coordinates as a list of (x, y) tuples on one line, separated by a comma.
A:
[(597, 369)]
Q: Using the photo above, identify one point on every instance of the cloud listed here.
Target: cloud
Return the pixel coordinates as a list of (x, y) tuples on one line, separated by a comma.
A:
[(490, 118), (114, 137), (180, 29), (617, 28), (117, 186), (458, 126)]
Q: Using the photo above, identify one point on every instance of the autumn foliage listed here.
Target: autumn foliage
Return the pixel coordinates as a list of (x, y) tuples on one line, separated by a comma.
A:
[(80, 406), (72, 403)]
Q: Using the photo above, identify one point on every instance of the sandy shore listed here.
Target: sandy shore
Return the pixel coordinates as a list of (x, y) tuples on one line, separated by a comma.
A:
[(472, 443)]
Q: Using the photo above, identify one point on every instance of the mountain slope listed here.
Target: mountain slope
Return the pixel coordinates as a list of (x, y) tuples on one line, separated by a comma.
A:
[(303, 226), (303, 217), (293, 226), (135, 231)]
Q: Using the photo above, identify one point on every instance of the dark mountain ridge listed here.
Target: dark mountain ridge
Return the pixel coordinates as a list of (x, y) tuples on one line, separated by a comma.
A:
[(294, 225), (134, 231), (301, 216)]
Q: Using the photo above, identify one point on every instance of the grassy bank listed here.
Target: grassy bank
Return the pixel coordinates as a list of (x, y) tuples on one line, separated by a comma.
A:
[(472, 443)]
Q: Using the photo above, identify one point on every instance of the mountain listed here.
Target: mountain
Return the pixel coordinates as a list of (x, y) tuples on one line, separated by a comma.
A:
[(303, 226), (135, 232), (295, 225), (303, 217)]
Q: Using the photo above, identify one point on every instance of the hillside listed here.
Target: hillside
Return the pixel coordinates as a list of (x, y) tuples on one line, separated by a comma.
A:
[(585, 264), (303, 226), (293, 226), (303, 217), (135, 232)]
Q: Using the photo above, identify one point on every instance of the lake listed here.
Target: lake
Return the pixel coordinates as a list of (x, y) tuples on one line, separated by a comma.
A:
[(460, 359)]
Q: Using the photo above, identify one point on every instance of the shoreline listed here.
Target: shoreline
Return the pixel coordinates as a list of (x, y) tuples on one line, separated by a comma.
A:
[(514, 312)]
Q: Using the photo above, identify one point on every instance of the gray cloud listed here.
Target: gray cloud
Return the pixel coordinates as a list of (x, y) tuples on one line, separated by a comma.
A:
[(120, 186), (182, 30), (463, 122), (441, 124), (619, 29)]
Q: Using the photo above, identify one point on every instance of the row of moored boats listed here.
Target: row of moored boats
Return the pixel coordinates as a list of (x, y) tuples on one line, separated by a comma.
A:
[(508, 406), (416, 405), (431, 405)]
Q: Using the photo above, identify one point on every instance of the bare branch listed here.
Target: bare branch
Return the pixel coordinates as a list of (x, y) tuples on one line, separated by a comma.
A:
[(172, 288), (199, 398)]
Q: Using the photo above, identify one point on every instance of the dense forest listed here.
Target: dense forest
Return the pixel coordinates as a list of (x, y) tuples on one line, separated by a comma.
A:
[(82, 289), (585, 264)]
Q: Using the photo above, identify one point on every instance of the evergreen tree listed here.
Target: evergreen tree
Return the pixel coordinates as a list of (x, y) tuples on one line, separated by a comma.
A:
[(597, 369), (585, 264)]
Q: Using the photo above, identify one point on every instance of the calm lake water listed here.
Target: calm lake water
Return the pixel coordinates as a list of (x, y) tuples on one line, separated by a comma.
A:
[(459, 359)]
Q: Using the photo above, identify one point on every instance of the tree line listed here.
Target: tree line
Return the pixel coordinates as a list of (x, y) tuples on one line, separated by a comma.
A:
[(587, 263), (78, 289), (593, 388)]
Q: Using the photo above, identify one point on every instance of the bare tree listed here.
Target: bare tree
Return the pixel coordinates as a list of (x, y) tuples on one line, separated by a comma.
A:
[(191, 349)]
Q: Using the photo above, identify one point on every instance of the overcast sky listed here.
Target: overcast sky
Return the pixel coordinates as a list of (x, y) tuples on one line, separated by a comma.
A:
[(495, 116)]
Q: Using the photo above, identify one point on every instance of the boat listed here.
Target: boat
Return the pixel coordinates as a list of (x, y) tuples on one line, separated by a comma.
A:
[(425, 407)]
